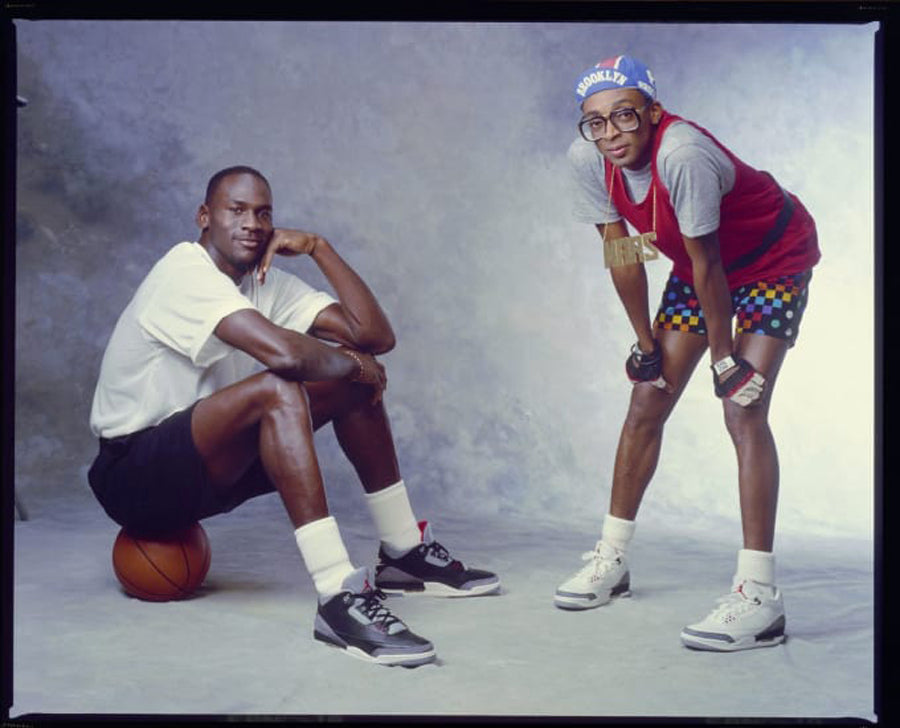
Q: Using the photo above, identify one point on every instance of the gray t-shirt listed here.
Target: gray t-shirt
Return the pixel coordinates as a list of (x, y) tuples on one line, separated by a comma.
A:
[(693, 169)]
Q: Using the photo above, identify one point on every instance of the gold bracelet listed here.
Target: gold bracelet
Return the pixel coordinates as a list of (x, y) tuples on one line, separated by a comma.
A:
[(358, 361)]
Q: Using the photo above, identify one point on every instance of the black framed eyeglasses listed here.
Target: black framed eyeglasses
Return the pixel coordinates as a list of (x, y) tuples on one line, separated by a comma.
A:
[(593, 128)]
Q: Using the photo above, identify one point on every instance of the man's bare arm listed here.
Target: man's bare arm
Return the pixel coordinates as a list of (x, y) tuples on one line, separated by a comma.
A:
[(358, 320), (712, 291), (630, 282), (296, 356)]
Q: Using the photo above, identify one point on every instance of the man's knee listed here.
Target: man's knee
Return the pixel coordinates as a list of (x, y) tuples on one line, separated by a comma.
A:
[(335, 398), (647, 411), (275, 392), (744, 422)]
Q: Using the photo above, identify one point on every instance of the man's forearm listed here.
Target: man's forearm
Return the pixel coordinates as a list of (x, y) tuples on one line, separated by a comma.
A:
[(309, 360), (306, 359), (630, 282), (364, 314), (290, 354), (712, 291), (715, 302)]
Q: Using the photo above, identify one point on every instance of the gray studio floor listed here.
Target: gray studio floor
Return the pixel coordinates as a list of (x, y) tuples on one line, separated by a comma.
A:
[(244, 645)]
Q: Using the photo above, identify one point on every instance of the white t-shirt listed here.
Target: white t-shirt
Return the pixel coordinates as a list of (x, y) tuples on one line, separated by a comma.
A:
[(693, 169), (163, 355)]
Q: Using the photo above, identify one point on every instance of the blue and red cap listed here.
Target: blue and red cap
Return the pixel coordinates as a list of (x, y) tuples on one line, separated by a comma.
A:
[(616, 72)]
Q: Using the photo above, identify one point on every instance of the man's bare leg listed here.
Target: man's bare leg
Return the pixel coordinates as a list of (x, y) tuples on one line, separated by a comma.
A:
[(756, 451), (265, 417), (640, 441), (268, 418), (364, 434), (272, 419), (362, 429), (752, 613), (606, 575)]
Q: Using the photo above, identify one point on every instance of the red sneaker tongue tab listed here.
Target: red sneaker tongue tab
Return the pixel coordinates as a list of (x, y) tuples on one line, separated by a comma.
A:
[(423, 528)]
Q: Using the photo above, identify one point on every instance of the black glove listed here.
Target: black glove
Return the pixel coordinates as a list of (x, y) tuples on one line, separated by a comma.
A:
[(641, 367), (743, 386)]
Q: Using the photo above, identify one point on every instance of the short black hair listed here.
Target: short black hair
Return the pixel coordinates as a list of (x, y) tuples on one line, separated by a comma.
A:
[(217, 178)]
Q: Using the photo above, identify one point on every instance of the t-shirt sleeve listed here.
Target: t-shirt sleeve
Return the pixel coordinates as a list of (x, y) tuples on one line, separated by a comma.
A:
[(290, 302), (184, 307), (697, 174), (587, 187)]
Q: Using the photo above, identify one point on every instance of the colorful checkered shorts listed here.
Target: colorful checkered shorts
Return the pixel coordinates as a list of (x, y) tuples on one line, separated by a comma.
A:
[(772, 307)]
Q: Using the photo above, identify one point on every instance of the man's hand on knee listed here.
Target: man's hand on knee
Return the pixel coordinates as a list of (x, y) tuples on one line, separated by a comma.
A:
[(643, 367), (737, 380)]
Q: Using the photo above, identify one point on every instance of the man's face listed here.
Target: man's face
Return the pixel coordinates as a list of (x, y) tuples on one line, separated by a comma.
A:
[(629, 149), (236, 223)]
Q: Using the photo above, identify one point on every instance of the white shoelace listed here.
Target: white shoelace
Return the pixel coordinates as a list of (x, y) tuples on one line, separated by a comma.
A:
[(733, 604), (599, 564)]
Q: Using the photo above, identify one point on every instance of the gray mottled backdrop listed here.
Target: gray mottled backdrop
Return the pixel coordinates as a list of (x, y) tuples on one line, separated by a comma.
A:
[(433, 157)]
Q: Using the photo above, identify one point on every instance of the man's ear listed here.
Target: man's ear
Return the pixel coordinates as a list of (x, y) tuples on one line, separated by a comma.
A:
[(203, 216), (656, 112)]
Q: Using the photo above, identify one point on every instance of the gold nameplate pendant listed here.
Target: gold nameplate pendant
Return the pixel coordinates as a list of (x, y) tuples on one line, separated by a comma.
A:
[(633, 249)]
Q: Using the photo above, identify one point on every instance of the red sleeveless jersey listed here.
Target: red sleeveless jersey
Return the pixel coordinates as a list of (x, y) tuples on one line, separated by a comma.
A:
[(764, 231)]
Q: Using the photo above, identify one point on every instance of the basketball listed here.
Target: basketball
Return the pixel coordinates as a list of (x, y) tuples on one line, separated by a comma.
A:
[(162, 569)]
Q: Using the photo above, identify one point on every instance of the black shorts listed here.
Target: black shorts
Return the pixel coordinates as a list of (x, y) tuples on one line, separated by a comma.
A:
[(153, 481)]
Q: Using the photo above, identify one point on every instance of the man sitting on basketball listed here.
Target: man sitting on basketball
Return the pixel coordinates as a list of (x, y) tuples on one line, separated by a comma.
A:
[(214, 380), (741, 247)]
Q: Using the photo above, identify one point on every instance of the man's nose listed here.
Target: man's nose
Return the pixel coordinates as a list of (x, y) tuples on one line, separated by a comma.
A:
[(251, 221), (609, 131)]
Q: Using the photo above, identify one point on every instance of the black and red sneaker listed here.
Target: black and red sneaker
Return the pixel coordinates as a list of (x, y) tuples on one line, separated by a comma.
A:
[(357, 621), (429, 570)]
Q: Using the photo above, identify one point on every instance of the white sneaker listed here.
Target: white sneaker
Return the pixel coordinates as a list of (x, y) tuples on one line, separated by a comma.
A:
[(751, 615), (604, 576)]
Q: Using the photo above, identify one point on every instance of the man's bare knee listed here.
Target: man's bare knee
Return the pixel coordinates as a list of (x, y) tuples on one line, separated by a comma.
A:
[(744, 422), (335, 398), (274, 392), (648, 411)]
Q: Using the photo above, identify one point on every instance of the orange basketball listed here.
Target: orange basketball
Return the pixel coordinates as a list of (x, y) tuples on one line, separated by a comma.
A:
[(162, 569)]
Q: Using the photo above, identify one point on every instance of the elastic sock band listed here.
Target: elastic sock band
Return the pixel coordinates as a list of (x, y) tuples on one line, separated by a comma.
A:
[(324, 554), (756, 565), (617, 532), (394, 519)]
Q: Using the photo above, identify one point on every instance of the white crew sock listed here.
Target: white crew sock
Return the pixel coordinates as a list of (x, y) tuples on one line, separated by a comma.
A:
[(756, 565), (394, 520), (617, 532), (324, 554)]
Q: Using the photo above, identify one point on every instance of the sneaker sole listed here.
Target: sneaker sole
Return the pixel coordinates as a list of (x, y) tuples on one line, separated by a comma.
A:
[(726, 643), (437, 589), (574, 603), (413, 659)]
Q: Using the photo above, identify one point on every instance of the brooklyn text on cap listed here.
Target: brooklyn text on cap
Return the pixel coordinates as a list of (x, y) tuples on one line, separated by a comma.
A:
[(616, 72)]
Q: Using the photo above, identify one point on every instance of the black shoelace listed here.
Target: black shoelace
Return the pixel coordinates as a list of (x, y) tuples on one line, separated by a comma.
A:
[(438, 551), (373, 608)]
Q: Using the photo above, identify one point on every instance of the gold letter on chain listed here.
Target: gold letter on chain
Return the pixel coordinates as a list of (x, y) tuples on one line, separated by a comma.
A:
[(630, 250)]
